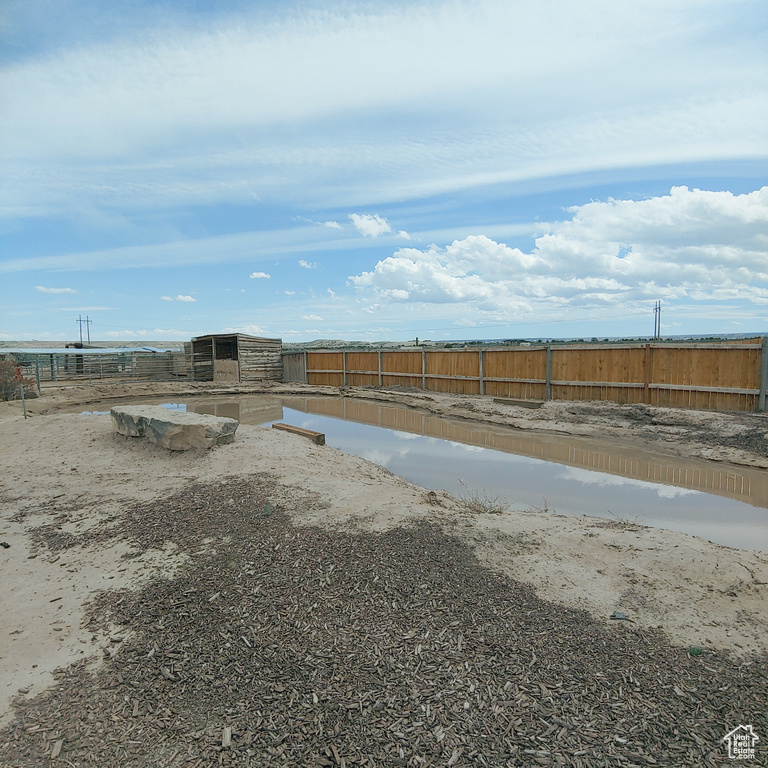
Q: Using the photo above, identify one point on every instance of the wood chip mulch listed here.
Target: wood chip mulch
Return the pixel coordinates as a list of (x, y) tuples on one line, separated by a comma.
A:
[(282, 645)]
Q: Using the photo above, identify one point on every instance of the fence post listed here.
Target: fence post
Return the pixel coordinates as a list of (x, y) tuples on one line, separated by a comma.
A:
[(344, 367), (37, 375), (548, 385), (481, 370), (763, 374), (23, 401), (424, 369), (647, 375), (381, 377)]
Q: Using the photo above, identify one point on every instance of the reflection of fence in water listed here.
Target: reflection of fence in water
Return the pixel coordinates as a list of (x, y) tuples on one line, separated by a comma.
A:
[(246, 410), (743, 484)]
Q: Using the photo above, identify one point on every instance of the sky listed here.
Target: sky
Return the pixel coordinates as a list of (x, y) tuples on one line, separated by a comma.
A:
[(383, 171)]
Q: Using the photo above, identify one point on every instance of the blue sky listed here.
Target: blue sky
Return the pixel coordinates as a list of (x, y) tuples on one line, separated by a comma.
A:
[(380, 171)]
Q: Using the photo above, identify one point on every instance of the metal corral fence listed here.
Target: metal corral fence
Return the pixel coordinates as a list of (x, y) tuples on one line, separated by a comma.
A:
[(724, 376), (61, 366)]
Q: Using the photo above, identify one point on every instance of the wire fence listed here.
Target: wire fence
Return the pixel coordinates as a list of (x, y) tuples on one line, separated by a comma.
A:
[(70, 366)]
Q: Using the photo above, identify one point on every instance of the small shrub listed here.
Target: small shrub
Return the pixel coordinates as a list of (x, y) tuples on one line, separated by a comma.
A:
[(9, 381), (482, 503)]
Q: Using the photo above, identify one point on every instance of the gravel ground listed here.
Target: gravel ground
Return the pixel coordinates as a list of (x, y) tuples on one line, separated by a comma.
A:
[(278, 645)]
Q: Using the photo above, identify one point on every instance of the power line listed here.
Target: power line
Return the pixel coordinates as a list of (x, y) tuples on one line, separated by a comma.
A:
[(87, 322)]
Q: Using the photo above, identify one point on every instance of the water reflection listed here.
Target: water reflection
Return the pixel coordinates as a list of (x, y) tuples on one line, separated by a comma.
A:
[(569, 475)]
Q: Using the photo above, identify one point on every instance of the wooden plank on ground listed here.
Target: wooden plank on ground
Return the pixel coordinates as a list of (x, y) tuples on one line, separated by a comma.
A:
[(318, 438)]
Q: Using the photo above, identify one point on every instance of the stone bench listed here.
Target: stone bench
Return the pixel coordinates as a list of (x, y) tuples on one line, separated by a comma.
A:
[(175, 430)]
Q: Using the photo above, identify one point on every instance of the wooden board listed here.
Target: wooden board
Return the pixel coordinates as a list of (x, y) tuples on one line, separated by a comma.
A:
[(318, 438)]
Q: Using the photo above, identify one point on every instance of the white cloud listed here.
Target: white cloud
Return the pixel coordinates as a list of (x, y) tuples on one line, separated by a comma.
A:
[(179, 297), (311, 317), (370, 225), (259, 276), (332, 224), (43, 289), (157, 334), (249, 328), (290, 293), (308, 264), (688, 244)]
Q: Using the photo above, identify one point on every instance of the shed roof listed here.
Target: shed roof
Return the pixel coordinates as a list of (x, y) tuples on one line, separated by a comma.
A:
[(233, 335)]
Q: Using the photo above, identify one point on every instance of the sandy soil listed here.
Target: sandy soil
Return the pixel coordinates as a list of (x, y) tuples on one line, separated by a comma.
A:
[(65, 474)]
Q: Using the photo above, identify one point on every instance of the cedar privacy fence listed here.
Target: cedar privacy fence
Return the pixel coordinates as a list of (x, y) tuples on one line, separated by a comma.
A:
[(724, 376)]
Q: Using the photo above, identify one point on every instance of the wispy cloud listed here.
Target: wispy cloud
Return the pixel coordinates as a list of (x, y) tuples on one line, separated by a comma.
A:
[(188, 252), (43, 289), (159, 334), (177, 84), (127, 144)]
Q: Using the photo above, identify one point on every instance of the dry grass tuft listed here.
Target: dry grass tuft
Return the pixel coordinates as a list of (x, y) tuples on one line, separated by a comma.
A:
[(481, 502)]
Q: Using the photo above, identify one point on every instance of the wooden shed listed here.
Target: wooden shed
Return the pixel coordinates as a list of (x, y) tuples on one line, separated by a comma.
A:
[(236, 357)]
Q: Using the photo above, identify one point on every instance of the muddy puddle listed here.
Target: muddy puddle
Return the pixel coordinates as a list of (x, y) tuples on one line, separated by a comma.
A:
[(562, 474)]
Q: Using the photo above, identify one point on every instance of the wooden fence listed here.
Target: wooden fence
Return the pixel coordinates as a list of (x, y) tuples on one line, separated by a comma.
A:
[(715, 376)]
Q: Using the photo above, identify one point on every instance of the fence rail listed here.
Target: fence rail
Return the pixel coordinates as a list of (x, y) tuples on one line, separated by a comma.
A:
[(714, 376), (75, 366)]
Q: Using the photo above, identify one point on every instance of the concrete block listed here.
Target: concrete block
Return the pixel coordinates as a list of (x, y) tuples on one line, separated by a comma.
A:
[(175, 430)]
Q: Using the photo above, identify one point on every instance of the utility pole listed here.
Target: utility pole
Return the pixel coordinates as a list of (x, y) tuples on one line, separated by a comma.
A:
[(657, 320), (87, 322)]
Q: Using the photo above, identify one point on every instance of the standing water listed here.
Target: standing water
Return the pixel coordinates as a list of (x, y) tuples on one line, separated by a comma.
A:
[(568, 475)]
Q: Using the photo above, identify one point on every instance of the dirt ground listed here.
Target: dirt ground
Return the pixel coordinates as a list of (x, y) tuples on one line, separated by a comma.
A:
[(80, 502)]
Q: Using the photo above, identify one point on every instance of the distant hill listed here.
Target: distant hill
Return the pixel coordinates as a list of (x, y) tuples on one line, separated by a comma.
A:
[(26, 344), (291, 346), (413, 343)]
